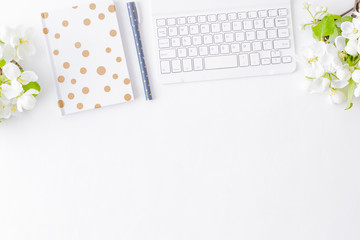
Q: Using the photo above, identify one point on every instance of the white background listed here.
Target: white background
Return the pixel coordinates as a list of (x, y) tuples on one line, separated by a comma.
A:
[(250, 159)]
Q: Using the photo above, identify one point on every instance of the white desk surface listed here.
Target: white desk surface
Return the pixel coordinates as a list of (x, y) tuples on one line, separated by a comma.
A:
[(248, 159)]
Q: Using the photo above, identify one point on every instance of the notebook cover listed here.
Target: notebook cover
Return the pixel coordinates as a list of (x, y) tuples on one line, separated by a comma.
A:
[(87, 57)]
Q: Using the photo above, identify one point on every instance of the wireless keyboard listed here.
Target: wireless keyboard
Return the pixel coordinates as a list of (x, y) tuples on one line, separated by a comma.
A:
[(225, 44)]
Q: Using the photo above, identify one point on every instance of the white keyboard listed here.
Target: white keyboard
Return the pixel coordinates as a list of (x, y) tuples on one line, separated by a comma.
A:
[(225, 44)]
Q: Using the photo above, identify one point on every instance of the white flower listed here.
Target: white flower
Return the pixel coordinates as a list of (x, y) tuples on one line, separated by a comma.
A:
[(12, 72), (340, 43), (5, 108), (356, 78), (318, 85), (5, 34), (21, 40), (352, 47), (11, 91), (351, 30), (313, 57), (26, 100), (343, 76), (337, 96)]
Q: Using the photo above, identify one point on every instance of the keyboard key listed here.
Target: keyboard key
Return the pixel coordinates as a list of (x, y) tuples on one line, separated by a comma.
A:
[(173, 31), (221, 62), (269, 23), (214, 50), (164, 43), (175, 42), (240, 37), (272, 13), (254, 59), (198, 64), (194, 29), (261, 35), (232, 16), (165, 67), (202, 19), (281, 22), (229, 37), (224, 49), (167, 54), (183, 30), (244, 60), (262, 14), (215, 28), (208, 39), (181, 21), (186, 41), (272, 34), (256, 46), (182, 52), (205, 28), (246, 47), (187, 65), (283, 12), (212, 18), (267, 45), (226, 27), (161, 22), (218, 38), (235, 48), (176, 66), (252, 14), (276, 60), (287, 59), (222, 17), (162, 32), (191, 20), (283, 33), (281, 44), (237, 26), (250, 36), (259, 24), (171, 21), (265, 61), (248, 25), (275, 54), (193, 52), (242, 15), (203, 51), (197, 40), (265, 54)]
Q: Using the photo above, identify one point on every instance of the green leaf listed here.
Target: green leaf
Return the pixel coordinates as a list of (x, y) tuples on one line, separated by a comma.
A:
[(2, 63), (32, 85), (345, 19), (350, 96), (326, 27)]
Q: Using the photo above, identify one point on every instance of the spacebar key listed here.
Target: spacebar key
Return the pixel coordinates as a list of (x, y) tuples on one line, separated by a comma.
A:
[(221, 62)]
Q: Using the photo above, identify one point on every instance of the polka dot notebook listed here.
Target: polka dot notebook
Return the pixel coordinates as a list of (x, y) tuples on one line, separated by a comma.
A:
[(87, 56)]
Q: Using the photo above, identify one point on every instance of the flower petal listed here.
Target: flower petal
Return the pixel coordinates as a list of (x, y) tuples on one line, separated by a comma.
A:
[(351, 47), (28, 76), (9, 53), (27, 102), (357, 92), (11, 71), (340, 43), (25, 50), (356, 76), (11, 91)]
